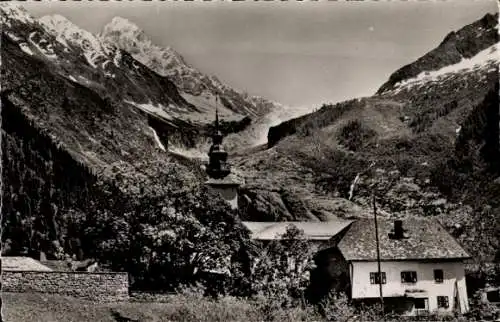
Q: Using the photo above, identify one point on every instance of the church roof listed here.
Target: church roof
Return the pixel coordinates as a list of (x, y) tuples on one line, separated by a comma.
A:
[(323, 230), (426, 240)]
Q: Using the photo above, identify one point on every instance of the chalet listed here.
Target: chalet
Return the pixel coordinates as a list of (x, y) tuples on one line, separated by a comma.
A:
[(421, 265)]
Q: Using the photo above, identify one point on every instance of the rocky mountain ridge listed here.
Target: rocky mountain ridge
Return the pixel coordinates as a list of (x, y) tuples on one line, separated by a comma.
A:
[(98, 62), (94, 109), (78, 116), (196, 87), (456, 46), (201, 90)]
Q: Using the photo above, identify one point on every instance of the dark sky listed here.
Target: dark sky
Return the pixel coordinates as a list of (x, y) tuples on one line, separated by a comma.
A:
[(297, 53)]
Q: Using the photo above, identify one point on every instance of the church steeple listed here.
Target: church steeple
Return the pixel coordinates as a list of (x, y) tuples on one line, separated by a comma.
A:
[(217, 136), (216, 118), (218, 167)]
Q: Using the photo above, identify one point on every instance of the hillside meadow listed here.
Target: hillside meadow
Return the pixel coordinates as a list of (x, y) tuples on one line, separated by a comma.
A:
[(183, 307)]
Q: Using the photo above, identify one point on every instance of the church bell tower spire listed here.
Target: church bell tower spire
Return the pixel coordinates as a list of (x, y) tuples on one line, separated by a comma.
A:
[(216, 116), (218, 167)]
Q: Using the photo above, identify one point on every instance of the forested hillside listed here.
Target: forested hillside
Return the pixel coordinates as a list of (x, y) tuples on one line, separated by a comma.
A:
[(84, 173)]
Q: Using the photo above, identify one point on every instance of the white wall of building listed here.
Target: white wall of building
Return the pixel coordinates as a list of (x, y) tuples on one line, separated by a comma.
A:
[(453, 281), (228, 193)]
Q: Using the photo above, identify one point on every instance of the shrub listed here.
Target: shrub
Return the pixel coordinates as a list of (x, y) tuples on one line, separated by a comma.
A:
[(280, 273), (162, 238), (482, 310), (354, 135), (336, 308)]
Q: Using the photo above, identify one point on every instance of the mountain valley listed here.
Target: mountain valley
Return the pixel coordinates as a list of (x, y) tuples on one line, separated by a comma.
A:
[(102, 127)]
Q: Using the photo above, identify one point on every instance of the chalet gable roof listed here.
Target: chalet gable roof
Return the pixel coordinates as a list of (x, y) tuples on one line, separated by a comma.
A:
[(426, 240)]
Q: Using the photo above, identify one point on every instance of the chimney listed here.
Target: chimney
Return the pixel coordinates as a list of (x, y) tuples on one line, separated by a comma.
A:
[(398, 229)]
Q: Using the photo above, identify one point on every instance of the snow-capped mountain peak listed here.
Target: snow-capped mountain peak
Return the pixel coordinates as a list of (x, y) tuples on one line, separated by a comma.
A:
[(12, 10), (122, 25), (84, 58), (457, 48), (58, 25), (57, 21), (197, 88), (97, 54), (133, 39)]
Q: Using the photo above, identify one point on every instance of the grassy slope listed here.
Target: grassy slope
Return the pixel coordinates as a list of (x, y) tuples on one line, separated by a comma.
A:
[(183, 308), (26, 307)]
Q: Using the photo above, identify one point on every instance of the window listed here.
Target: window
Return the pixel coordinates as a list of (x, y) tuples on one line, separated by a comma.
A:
[(438, 275), (375, 278), (409, 277), (420, 303), (443, 302), (493, 296)]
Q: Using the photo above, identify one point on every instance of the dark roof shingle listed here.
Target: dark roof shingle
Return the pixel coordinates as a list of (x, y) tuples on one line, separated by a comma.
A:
[(427, 239)]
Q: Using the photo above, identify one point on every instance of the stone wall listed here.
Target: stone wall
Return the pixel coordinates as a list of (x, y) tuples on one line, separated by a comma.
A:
[(101, 286)]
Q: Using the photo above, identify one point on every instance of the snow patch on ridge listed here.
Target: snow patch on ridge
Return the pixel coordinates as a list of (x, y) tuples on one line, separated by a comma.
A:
[(117, 58), (150, 108), (485, 58), (48, 51), (189, 153), (65, 31), (157, 139), (13, 37), (24, 47)]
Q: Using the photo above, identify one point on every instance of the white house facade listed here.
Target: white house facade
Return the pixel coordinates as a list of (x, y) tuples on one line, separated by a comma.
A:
[(431, 286), (227, 188), (421, 266)]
